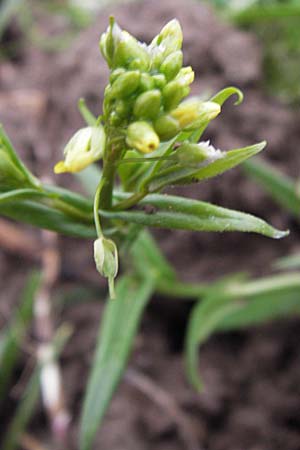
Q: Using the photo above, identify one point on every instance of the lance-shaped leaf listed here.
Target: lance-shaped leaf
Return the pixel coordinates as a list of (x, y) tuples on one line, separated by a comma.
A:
[(118, 329), (181, 213), (47, 217), (178, 174), (204, 319), (235, 305), (281, 188)]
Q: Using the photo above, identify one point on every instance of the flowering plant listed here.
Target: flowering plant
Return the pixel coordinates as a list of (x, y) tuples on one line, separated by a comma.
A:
[(149, 137)]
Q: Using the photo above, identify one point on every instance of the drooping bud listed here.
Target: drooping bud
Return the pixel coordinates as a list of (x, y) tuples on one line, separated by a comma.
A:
[(106, 259), (178, 88), (192, 113), (171, 65), (166, 127), (142, 137), (84, 148), (125, 84), (147, 105), (193, 155)]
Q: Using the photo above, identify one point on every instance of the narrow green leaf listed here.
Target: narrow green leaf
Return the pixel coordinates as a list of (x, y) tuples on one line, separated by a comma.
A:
[(118, 329), (224, 95), (219, 98), (43, 216), (7, 145), (280, 187), (146, 250), (235, 305), (266, 299), (186, 214), (262, 309), (288, 262), (205, 318), (14, 334), (177, 174)]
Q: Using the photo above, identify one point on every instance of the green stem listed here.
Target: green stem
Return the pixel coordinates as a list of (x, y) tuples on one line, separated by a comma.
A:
[(96, 208), (179, 289), (113, 152), (131, 201)]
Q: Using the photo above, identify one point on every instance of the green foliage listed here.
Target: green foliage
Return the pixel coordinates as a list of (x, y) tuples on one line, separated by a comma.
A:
[(148, 138), (231, 305), (119, 326), (13, 335), (276, 23), (281, 188)]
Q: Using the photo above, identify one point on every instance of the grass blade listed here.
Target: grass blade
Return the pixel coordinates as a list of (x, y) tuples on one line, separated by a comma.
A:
[(15, 332), (281, 188), (118, 329)]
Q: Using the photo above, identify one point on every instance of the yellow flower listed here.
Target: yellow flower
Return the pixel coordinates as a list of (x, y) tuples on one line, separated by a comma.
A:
[(193, 113), (84, 148)]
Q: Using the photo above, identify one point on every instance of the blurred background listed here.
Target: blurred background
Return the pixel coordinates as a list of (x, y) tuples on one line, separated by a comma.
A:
[(49, 58)]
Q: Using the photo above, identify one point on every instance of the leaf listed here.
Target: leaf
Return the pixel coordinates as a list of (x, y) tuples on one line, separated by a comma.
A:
[(43, 216), (219, 98), (145, 249), (186, 214), (280, 187), (14, 334), (118, 329), (288, 262), (177, 174), (235, 305), (205, 318), (224, 95), (266, 299), (9, 149)]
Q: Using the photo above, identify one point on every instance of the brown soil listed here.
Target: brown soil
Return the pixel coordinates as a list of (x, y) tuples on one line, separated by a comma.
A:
[(251, 396)]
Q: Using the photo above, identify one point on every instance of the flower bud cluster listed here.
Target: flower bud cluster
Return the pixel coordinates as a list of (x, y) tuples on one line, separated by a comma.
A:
[(147, 85)]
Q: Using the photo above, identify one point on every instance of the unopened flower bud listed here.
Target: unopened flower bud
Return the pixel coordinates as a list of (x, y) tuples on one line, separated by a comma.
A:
[(125, 84), (193, 155), (168, 41), (84, 148), (131, 53), (147, 105), (109, 41), (192, 113), (178, 88), (159, 80), (142, 137), (166, 127), (115, 74), (171, 36), (146, 82), (171, 65), (106, 259)]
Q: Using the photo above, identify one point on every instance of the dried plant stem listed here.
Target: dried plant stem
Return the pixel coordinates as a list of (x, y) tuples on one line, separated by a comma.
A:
[(50, 375), (168, 404)]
